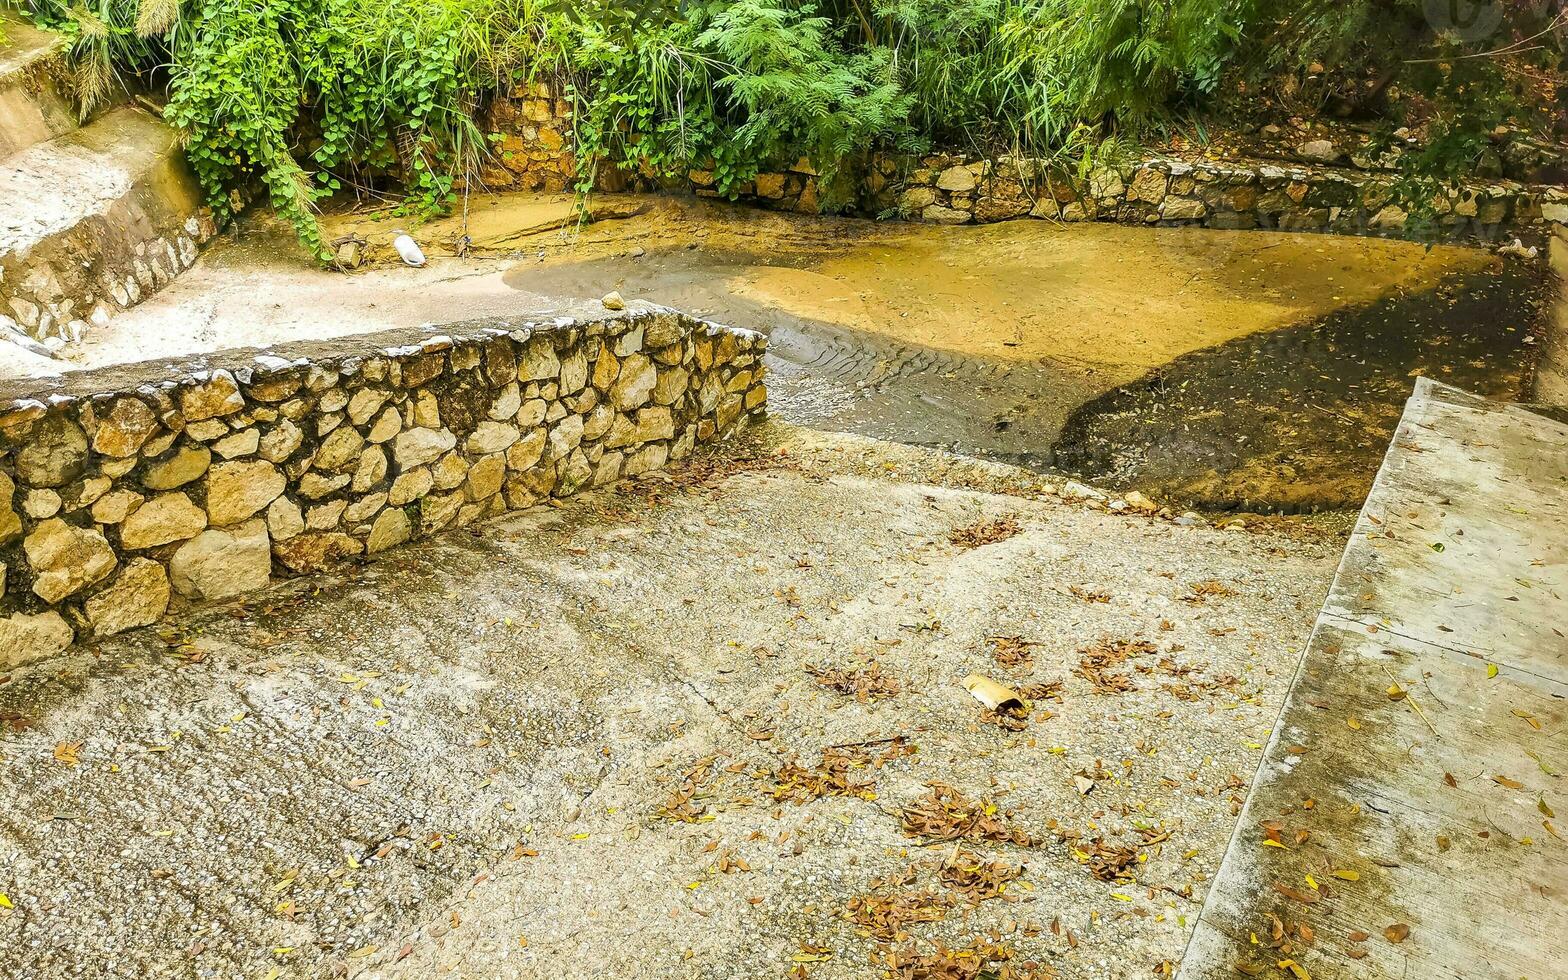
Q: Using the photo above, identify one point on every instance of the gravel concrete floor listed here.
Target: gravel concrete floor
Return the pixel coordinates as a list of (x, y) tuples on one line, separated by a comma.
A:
[(603, 740)]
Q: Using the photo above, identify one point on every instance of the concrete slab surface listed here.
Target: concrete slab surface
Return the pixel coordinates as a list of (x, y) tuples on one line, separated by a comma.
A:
[(1405, 821), (51, 187), (613, 739)]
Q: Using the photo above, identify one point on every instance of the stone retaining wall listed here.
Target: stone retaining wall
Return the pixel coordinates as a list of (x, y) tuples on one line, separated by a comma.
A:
[(961, 190), (124, 489), (536, 153)]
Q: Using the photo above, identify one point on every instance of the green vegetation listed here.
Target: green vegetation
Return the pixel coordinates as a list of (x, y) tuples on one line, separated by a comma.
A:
[(306, 96)]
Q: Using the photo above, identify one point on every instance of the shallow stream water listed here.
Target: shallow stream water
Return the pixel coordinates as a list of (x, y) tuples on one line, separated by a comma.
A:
[(1212, 369), (1216, 370)]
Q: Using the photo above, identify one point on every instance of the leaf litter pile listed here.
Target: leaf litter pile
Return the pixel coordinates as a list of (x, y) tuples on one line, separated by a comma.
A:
[(1099, 662), (945, 814), (843, 771), (984, 533), (869, 683), (1012, 652), (985, 958)]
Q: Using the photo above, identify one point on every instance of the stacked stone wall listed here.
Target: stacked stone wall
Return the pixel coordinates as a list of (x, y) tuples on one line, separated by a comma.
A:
[(122, 491), (1336, 194), (1161, 191), (536, 151)]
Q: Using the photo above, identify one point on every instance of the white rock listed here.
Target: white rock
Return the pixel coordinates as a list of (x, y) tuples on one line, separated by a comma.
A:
[(408, 250), (1073, 490), (138, 596), (25, 639), (218, 564)]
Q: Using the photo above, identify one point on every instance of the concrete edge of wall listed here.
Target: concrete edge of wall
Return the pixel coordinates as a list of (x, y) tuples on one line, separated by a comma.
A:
[(1440, 633), (1551, 372), (126, 490)]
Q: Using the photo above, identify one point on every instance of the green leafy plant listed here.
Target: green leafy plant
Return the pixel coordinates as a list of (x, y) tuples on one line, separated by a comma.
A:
[(304, 98)]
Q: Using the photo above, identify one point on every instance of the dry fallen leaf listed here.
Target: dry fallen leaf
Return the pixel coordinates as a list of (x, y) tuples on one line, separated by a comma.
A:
[(1396, 933), (66, 753)]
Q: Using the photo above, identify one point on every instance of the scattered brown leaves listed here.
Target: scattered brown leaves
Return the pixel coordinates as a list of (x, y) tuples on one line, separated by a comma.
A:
[(984, 533), (1042, 691), (1088, 595), (684, 804), (67, 753), (979, 958), (1288, 937), (840, 773), (730, 862), (1209, 588), (946, 814), (869, 683), (1097, 661), (1191, 688), (1012, 652), (977, 879), (886, 916), (1108, 862)]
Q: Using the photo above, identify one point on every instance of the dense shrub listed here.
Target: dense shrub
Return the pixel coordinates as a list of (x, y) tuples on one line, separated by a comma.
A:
[(307, 95)]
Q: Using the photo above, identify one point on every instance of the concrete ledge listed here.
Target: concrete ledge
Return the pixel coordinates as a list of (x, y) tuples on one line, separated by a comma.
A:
[(1411, 780), (1551, 371), (94, 221), (124, 488)]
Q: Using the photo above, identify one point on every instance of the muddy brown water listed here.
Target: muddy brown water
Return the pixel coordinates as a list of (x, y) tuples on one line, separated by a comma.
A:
[(1275, 387), (1298, 419)]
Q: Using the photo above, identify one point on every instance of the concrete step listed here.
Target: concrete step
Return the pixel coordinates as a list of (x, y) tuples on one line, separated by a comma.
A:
[(1424, 723), (35, 87), (94, 220)]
